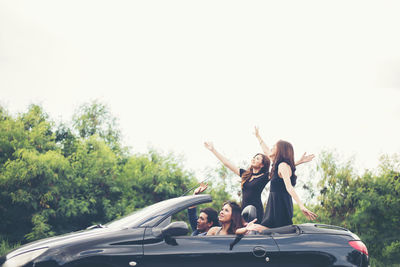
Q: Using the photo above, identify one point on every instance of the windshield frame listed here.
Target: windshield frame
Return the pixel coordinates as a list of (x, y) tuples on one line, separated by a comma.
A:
[(151, 215)]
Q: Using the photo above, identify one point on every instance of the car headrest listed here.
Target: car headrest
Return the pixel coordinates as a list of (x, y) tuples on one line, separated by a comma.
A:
[(249, 213)]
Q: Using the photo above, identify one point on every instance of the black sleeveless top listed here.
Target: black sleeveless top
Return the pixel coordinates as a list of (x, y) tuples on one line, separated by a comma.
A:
[(279, 210), (251, 193)]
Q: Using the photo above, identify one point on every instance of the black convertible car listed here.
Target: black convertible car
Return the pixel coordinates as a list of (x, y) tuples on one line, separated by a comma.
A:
[(151, 237)]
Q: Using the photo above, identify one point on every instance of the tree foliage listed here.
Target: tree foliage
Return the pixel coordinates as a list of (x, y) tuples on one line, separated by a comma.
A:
[(56, 179), (95, 118), (367, 204), (220, 182)]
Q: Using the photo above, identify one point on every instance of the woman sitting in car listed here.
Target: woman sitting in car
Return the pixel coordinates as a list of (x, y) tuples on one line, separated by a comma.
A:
[(230, 219)]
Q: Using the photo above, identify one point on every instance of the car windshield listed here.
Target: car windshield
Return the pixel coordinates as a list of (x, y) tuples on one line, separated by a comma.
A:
[(140, 217)]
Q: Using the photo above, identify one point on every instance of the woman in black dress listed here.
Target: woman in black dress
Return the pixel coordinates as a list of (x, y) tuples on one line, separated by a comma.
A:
[(279, 211), (254, 179)]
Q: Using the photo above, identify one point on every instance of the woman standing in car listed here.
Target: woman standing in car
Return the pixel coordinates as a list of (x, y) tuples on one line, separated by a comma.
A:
[(254, 179), (279, 211)]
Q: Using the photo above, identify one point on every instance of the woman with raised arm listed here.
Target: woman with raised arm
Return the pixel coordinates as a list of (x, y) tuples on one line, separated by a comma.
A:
[(254, 179), (305, 158), (279, 211)]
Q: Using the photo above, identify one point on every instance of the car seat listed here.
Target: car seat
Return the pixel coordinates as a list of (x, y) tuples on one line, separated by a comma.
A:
[(249, 213)]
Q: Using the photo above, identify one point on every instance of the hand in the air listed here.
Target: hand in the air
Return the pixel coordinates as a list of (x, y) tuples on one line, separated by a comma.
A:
[(309, 214), (201, 188), (306, 158), (256, 131), (209, 146)]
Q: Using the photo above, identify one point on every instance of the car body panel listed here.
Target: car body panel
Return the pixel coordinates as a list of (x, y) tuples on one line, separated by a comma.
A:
[(107, 244), (314, 247), (200, 251), (140, 239)]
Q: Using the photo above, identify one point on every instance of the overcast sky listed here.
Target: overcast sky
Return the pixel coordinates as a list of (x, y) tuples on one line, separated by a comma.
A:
[(322, 75)]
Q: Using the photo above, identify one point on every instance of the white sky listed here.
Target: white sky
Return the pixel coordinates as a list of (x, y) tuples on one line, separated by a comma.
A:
[(176, 73)]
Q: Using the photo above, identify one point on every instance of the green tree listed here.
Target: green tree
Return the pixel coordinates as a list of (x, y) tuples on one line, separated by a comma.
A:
[(223, 186), (152, 177), (95, 118), (86, 194), (57, 179), (66, 140), (369, 204), (29, 130)]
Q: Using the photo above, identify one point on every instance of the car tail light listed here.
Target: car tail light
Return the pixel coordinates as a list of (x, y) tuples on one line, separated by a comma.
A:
[(360, 246)]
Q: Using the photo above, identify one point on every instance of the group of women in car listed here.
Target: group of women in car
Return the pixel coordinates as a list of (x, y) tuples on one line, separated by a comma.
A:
[(281, 175)]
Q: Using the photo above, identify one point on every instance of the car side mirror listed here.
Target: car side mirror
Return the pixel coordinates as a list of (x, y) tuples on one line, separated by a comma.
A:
[(175, 229)]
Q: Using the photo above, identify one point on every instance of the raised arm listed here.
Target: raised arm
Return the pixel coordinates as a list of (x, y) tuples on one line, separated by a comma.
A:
[(224, 160), (305, 158), (285, 172), (192, 211), (202, 187), (263, 145)]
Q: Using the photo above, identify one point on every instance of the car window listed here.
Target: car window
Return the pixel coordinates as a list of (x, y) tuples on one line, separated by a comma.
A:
[(180, 216), (176, 217), (165, 222), (148, 216)]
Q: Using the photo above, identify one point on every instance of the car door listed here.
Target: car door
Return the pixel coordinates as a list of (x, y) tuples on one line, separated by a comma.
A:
[(221, 251), (309, 250), (112, 248)]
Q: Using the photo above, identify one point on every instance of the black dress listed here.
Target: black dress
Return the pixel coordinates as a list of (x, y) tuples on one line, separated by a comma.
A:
[(279, 210), (251, 193)]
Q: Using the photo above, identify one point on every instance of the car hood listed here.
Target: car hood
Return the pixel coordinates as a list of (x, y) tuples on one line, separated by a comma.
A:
[(65, 240)]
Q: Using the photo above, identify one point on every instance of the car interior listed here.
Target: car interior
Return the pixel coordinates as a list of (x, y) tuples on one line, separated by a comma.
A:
[(249, 213)]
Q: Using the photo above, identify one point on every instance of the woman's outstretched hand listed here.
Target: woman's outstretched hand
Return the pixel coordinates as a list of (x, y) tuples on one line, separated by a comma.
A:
[(251, 226), (225, 161), (256, 132), (306, 158), (309, 214), (209, 146), (202, 187)]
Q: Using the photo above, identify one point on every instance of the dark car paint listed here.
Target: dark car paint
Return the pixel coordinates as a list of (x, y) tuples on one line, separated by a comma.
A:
[(145, 245), (97, 243), (313, 249), (317, 243), (200, 251)]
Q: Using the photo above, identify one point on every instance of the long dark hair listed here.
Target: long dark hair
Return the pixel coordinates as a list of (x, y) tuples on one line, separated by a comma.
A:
[(249, 172), (236, 217), (284, 153)]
